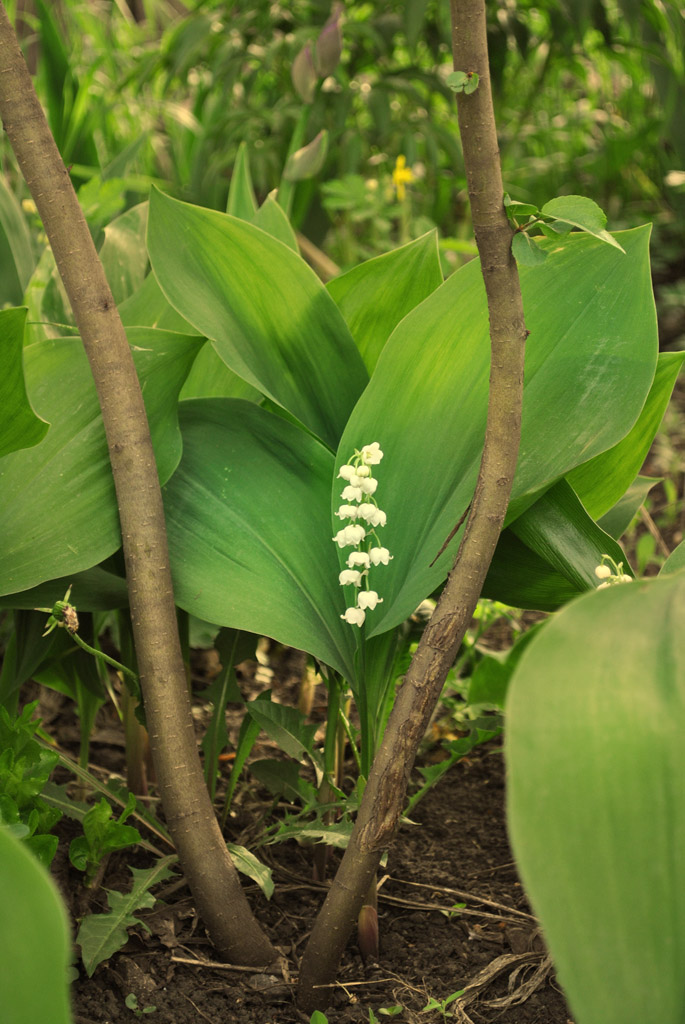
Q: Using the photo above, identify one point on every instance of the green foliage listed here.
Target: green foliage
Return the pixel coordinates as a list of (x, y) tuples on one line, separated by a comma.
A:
[(25, 767), (101, 836), (35, 944), (102, 935), (595, 763)]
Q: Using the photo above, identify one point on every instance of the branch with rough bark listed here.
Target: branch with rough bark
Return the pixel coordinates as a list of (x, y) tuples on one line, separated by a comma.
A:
[(386, 787), (190, 816)]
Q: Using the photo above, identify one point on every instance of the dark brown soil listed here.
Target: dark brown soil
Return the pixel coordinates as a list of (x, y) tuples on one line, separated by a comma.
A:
[(428, 950)]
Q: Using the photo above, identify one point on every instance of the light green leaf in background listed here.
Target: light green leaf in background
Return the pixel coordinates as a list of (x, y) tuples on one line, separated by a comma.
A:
[(602, 481), (49, 313), (272, 218), (19, 425), (377, 294), (58, 512), (583, 213), (272, 321), (35, 943), (16, 253), (241, 198), (209, 377), (675, 562), (286, 726), (149, 308), (252, 867), (242, 203), (596, 798), (248, 520), (616, 521), (590, 363), (123, 253)]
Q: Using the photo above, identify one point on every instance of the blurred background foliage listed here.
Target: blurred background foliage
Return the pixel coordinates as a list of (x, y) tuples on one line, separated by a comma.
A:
[(589, 97)]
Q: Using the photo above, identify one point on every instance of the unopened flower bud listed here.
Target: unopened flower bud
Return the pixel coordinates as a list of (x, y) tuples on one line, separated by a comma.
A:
[(602, 572), (329, 43), (308, 161), (304, 74), (367, 932)]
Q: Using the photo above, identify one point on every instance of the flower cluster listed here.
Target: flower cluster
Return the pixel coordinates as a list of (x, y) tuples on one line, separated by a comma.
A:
[(611, 573), (361, 510)]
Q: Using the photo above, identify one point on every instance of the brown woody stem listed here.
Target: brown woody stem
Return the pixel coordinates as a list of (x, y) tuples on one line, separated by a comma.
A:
[(201, 848), (386, 787)]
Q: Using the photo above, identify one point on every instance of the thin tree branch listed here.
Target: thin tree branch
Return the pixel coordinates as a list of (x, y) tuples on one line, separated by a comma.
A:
[(189, 813), (385, 790)]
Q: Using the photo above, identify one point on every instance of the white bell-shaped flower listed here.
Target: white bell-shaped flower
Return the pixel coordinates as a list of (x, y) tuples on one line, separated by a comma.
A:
[(379, 556), (369, 599), (355, 616), (350, 577), (348, 512), (371, 454), (350, 535)]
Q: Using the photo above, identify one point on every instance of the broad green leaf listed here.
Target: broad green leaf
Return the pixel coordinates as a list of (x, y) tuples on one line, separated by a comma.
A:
[(583, 213), (123, 252), (675, 562), (19, 425), (491, 676), (149, 308), (596, 763), (93, 590), (209, 377), (49, 313), (248, 519), (602, 481), (249, 865), (102, 935), (272, 321), (517, 209), (549, 553), (272, 218), (589, 365), (16, 254), (527, 252), (376, 295), (241, 198), (282, 779), (58, 512), (336, 835), (616, 521), (35, 943), (286, 726), (558, 528)]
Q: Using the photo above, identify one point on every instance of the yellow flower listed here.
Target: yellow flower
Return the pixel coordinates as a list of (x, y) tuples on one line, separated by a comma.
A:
[(401, 176)]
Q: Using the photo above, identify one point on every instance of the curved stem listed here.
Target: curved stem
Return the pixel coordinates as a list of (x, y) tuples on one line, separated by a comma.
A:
[(189, 813), (384, 795), (103, 657)]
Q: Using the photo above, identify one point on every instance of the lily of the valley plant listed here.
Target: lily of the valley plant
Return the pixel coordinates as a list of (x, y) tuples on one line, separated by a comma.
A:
[(361, 534)]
